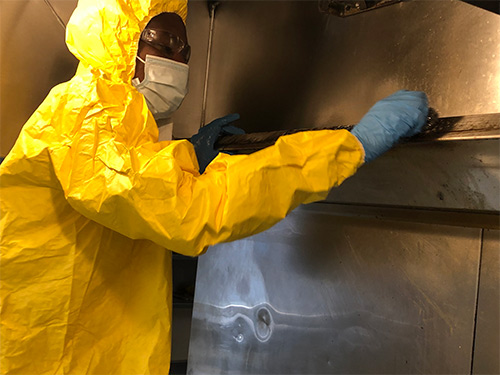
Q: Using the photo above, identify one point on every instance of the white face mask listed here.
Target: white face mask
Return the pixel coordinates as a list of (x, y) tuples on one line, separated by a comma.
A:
[(164, 86)]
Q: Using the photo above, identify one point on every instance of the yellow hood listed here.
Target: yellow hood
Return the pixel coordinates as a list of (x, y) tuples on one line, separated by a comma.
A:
[(103, 34)]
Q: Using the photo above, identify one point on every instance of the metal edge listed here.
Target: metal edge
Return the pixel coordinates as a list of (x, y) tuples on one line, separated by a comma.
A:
[(428, 215)]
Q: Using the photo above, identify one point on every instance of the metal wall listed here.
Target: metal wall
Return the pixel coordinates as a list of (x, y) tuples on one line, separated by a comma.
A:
[(320, 293), (286, 65), (394, 272)]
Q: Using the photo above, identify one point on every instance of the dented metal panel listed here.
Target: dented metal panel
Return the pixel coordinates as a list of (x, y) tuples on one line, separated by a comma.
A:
[(319, 293)]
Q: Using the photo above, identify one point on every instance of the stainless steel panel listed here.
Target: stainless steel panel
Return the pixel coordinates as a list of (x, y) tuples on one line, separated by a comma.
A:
[(188, 118), (324, 294), (448, 175), (34, 58), (285, 65), (63, 8), (487, 343)]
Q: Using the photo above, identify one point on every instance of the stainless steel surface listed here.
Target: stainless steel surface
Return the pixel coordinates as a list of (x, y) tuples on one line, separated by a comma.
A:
[(324, 294), (448, 175), (212, 8), (487, 342), (34, 58), (320, 293), (468, 127), (56, 15), (188, 118), (63, 8), (285, 65)]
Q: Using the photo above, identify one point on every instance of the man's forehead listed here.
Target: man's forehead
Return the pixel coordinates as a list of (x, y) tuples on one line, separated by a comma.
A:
[(170, 22)]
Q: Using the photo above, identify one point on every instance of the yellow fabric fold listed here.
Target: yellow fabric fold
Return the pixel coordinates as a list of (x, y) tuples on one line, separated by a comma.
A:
[(90, 201)]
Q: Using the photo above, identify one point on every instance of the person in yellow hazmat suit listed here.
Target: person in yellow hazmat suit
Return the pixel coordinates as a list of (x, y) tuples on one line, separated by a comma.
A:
[(92, 204)]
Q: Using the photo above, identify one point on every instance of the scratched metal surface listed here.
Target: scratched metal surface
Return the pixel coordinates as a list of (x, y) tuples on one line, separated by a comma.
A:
[(324, 294)]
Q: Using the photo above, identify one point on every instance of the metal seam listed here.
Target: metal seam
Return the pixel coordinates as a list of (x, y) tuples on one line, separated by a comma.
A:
[(207, 67), (476, 303), (59, 19)]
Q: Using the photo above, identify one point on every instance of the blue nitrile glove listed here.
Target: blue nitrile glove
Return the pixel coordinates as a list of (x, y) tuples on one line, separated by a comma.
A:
[(403, 114), (204, 140)]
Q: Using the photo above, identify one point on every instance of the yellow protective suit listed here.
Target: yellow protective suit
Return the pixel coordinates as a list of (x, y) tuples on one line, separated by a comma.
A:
[(90, 201)]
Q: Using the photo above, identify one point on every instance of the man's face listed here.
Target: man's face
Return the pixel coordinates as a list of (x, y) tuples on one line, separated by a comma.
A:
[(165, 28)]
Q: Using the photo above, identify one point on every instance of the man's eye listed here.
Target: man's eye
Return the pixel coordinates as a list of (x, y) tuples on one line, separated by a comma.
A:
[(168, 50)]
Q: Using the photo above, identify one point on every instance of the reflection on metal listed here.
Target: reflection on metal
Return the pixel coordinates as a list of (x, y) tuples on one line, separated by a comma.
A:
[(297, 67), (63, 8), (437, 129), (321, 294), (212, 6), (344, 8)]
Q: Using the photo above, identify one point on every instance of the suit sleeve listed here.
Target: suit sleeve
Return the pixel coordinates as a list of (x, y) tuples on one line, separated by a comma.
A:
[(148, 190)]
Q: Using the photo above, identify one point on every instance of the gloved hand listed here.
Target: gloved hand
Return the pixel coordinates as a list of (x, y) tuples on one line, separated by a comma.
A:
[(204, 140), (403, 114)]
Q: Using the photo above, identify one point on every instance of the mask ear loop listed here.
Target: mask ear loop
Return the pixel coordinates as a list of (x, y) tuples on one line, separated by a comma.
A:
[(141, 60)]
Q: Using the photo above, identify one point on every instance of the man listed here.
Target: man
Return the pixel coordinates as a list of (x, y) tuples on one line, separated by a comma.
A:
[(164, 37), (90, 201)]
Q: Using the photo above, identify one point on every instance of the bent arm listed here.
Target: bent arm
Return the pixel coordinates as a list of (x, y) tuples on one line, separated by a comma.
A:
[(160, 196), (112, 171)]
